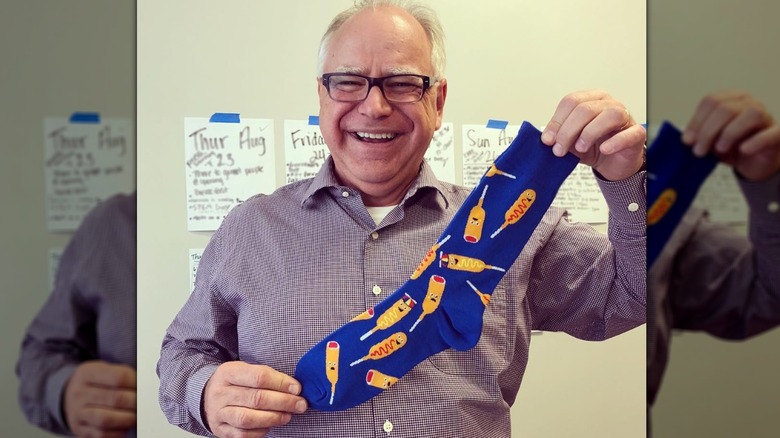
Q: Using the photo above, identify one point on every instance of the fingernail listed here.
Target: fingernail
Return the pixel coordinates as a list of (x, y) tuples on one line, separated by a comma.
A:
[(294, 389), (300, 407), (720, 146), (547, 137), (558, 150), (687, 136), (580, 145)]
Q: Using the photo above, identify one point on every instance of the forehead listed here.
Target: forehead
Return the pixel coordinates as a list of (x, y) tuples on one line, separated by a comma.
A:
[(385, 40)]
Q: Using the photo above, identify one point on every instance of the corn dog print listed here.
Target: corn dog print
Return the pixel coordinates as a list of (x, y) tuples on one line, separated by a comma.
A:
[(482, 296), (463, 263), (494, 171), (476, 220), (392, 315), (432, 298), (368, 314), (661, 206), (380, 380), (517, 210), (385, 348), (429, 257), (332, 366)]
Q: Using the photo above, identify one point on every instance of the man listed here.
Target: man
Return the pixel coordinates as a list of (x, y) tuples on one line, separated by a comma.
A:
[(285, 270), (709, 277), (78, 357)]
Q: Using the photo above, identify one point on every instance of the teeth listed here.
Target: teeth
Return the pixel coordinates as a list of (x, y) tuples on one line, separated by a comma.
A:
[(377, 136)]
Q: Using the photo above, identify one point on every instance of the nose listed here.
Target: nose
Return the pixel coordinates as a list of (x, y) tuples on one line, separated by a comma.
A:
[(375, 105)]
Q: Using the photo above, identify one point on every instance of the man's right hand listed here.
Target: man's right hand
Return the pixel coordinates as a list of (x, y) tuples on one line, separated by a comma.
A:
[(248, 400), (100, 399)]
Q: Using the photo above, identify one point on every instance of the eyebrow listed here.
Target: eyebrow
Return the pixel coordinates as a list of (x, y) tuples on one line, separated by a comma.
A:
[(389, 71)]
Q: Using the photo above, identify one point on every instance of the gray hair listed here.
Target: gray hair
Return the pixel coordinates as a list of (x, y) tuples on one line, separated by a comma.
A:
[(421, 12)]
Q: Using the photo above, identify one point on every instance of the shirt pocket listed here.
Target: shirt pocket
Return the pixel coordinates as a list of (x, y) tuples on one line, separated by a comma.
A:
[(489, 356)]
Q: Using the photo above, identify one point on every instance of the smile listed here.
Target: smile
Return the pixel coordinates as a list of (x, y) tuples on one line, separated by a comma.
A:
[(381, 136)]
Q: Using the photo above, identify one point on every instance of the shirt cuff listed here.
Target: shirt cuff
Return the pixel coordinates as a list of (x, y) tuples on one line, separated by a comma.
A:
[(763, 199), (626, 198), (55, 392), (194, 395)]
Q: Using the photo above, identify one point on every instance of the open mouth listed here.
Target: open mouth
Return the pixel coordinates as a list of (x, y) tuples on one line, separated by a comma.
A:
[(374, 137)]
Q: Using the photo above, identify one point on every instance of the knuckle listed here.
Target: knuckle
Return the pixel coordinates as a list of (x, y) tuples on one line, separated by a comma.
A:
[(259, 398)]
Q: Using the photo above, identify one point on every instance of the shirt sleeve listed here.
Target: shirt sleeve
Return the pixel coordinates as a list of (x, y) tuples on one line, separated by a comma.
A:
[(201, 337), (726, 284), (61, 336), (589, 285)]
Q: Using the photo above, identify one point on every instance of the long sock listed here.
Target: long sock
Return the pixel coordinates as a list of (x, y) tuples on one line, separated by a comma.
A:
[(442, 304), (674, 176)]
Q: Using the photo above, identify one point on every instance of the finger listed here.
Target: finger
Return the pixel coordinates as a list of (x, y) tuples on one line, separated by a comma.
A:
[(260, 376), (110, 398), (633, 136), (110, 376), (571, 129), (711, 128), (762, 141), (250, 419), (748, 122), (264, 399), (564, 108), (610, 120), (107, 419), (706, 106)]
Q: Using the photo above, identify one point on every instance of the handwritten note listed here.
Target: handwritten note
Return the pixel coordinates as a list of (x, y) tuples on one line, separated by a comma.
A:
[(304, 149), (481, 146), (441, 153), (721, 196), (195, 255), (225, 163), (85, 163), (581, 196), (54, 263)]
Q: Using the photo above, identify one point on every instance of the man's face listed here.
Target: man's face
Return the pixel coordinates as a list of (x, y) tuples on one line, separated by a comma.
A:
[(377, 146)]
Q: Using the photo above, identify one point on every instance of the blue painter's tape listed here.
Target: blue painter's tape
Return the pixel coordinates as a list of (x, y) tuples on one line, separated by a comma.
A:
[(225, 118), (644, 125), (85, 118), (497, 124), (314, 120)]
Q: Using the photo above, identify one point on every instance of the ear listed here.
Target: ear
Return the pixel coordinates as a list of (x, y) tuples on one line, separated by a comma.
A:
[(441, 96)]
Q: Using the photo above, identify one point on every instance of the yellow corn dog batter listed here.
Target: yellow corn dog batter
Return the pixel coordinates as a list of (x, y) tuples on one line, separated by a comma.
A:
[(392, 315), (517, 210), (432, 298), (384, 348)]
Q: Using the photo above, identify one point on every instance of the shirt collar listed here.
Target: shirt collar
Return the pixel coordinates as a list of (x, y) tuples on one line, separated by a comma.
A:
[(426, 180)]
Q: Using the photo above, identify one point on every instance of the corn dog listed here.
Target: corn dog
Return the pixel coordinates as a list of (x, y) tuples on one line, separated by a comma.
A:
[(517, 210), (463, 263), (379, 379), (384, 348), (661, 206), (476, 220), (494, 171), (482, 296), (332, 366), (392, 315), (428, 259), (368, 314), (432, 298)]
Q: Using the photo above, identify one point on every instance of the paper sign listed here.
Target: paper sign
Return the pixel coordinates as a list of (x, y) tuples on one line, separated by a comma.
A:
[(581, 196), (225, 163), (304, 149), (85, 163), (721, 196), (195, 255), (441, 153), (481, 146)]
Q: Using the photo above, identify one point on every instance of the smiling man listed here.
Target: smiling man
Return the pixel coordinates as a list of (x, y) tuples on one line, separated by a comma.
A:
[(285, 270)]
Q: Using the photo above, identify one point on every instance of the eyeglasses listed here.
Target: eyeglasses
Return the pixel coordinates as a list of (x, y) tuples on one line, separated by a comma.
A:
[(349, 87)]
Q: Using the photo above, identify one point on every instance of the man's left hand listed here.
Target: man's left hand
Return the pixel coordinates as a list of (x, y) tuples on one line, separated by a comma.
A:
[(600, 131)]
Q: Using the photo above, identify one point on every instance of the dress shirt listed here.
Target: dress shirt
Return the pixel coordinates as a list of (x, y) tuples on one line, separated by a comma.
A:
[(285, 270), (89, 315), (710, 278)]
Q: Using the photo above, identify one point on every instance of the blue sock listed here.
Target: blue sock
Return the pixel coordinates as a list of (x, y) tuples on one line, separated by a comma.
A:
[(441, 305), (674, 176)]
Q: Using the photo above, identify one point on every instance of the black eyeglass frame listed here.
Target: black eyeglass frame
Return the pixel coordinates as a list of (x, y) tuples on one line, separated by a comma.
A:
[(376, 82)]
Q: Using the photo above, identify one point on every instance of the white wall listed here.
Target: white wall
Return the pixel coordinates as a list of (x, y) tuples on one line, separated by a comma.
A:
[(715, 388), (57, 58), (507, 60)]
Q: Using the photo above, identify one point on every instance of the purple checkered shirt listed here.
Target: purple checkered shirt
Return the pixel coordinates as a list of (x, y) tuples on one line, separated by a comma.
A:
[(285, 270)]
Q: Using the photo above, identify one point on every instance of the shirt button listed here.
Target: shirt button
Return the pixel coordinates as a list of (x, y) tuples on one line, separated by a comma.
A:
[(375, 235), (773, 207), (632, 207), (376, 289), (345, 194), (388, 426)]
